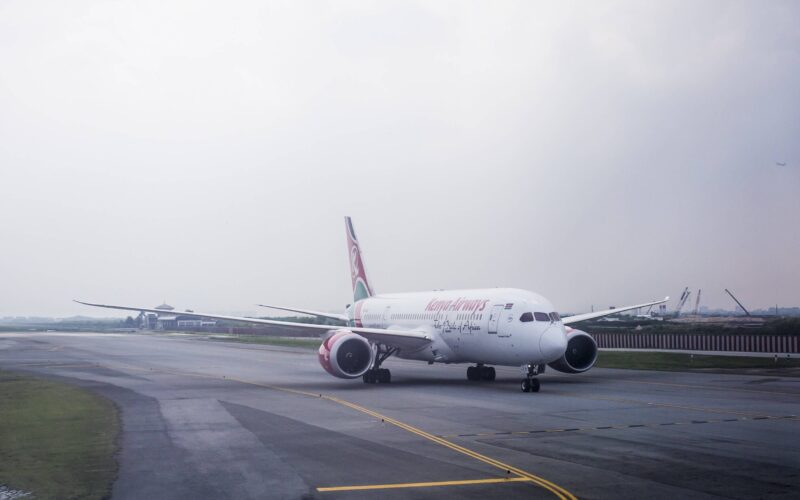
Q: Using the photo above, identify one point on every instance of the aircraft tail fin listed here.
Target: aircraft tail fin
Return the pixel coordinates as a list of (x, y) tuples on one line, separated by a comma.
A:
[(358, 273)]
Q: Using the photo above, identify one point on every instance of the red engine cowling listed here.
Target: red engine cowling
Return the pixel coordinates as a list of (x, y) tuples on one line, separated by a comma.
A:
[(581, 353), (346, 354)]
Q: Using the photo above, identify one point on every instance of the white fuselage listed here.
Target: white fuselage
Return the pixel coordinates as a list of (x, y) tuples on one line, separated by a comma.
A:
[(470, 326)]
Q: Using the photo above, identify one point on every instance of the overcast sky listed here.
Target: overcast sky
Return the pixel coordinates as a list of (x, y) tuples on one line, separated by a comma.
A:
[(205, 153)]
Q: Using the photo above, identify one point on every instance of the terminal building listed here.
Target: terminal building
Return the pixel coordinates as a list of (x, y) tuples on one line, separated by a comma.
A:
[(172, 320)]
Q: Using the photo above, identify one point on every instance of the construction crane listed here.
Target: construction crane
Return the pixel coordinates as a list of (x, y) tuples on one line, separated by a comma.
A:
[(737, 301), (697, 302), (682, 301)]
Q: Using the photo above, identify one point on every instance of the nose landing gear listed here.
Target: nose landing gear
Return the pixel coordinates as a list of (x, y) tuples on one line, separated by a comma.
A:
[(480, 372), (530, 383)]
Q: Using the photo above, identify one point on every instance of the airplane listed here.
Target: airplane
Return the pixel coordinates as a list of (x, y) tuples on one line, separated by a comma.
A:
[(780, 163), (496, 326)]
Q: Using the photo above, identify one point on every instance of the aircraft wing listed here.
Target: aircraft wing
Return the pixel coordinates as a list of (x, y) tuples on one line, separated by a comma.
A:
[(403, 339), (340, 317), (599, 314)]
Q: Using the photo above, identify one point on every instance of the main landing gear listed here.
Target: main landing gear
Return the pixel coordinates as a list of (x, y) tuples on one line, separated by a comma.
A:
[(530, 383), (480, 372), (376, 374)]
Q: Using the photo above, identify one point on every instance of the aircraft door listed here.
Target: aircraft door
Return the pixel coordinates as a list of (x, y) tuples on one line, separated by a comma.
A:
[(494, 318), (505, 320), (387, 316)]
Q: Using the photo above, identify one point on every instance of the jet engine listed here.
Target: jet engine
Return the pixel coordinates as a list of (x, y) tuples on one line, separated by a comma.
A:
[(580, 355), (346, 354)]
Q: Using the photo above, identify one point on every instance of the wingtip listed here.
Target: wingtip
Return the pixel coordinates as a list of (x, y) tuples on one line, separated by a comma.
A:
[(84, 303)]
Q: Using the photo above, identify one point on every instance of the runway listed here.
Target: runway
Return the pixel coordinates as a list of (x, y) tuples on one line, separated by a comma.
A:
[(206, 419)]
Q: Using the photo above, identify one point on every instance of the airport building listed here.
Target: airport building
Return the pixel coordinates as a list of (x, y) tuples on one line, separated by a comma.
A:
[(169, 320)]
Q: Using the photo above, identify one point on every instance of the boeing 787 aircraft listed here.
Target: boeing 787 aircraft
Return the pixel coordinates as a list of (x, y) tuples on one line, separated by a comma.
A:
[(495, 326)]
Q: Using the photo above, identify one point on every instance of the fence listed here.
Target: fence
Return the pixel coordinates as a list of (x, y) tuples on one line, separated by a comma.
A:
[(738, 342)]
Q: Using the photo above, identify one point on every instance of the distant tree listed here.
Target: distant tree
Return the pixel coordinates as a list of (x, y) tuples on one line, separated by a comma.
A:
[(129, 323)]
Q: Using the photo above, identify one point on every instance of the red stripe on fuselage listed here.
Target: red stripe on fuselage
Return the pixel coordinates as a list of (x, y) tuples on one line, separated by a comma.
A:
[(357, 313)]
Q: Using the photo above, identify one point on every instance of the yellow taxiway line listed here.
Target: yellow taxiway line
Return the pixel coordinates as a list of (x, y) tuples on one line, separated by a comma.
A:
[(423, 485), (540, 481), (520, 475)]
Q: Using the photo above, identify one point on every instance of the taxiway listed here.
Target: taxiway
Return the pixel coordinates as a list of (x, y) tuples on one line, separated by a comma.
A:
[(206, 419)]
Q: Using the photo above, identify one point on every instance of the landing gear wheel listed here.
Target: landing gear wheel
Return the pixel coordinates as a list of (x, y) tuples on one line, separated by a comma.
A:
[(531, 383), (377, 375), (480, 372)]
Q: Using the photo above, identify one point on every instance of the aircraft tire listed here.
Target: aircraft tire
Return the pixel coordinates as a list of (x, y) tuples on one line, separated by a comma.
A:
[(488, 373), (472, 373), (384, 376)]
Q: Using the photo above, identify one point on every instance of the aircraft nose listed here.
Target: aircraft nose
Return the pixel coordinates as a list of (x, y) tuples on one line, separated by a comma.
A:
[(553, 343)]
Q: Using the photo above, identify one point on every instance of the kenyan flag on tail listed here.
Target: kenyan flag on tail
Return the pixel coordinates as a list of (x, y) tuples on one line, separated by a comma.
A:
[(358, 273)]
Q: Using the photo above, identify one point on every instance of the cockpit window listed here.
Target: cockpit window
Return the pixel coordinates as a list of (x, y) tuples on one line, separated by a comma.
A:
[(554, 316), (526, 317), (541, 316)]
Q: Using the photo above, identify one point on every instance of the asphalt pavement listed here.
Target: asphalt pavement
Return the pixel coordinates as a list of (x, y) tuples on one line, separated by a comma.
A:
[(208, 419)]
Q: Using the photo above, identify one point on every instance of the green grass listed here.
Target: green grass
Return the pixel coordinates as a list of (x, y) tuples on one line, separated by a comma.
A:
[(305, 343), (56, 440), (678, 361)]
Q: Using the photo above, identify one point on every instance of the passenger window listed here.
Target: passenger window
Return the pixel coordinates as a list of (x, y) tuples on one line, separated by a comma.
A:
[(540, 316), (526, 317)]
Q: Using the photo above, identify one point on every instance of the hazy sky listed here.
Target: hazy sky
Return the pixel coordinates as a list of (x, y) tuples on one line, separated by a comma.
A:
[(206, 152)]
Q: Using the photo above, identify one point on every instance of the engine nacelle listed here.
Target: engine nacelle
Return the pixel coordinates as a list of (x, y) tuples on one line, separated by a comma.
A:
[(346, 354), (581, 353)]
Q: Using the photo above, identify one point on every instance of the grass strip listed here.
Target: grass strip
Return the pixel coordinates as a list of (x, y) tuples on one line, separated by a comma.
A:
[(56, 441)]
